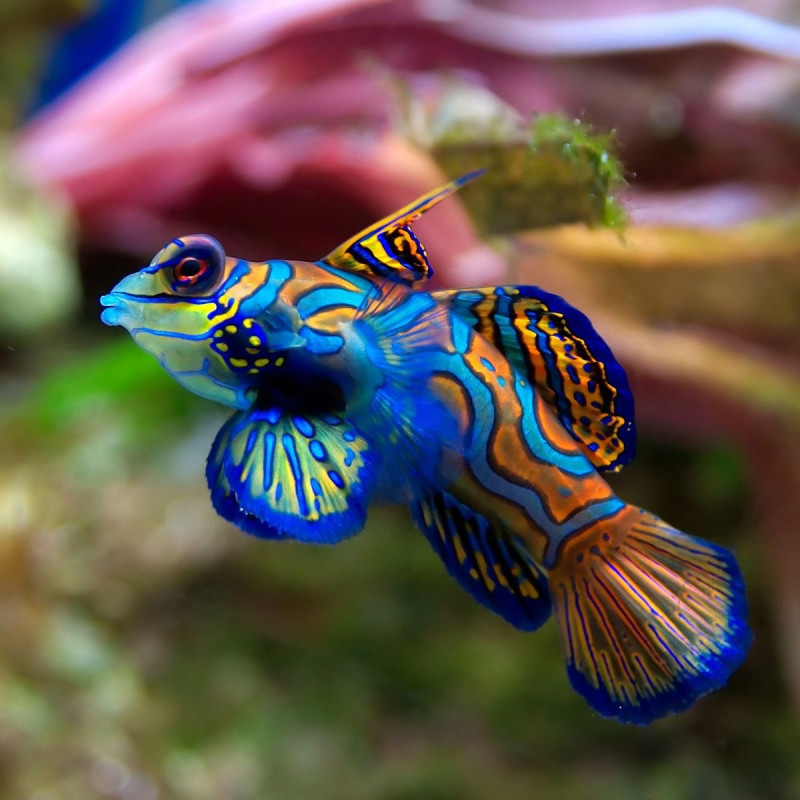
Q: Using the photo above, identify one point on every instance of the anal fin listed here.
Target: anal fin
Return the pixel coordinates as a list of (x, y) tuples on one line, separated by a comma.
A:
[(490, 565)]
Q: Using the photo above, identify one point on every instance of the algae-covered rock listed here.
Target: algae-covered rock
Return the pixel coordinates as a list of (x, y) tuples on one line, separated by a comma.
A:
[(548, 171)]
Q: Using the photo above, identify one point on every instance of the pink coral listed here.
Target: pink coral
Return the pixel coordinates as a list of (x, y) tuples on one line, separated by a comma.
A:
[(267, 124)]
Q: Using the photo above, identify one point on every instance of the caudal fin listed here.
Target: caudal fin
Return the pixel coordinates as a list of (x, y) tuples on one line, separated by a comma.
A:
[(650, 618)]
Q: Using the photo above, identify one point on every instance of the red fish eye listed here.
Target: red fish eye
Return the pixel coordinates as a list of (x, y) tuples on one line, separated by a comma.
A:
[(189, 270)]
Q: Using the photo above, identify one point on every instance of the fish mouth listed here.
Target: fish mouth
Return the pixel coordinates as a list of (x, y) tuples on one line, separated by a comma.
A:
[(115, 307)]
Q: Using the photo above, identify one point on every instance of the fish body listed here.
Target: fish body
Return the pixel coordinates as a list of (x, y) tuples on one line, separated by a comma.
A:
[(490, 412)]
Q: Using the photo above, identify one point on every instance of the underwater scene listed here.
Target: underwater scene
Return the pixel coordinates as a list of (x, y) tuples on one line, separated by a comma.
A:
[(399, 400)]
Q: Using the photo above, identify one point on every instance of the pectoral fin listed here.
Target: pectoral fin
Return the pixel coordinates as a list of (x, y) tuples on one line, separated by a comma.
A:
[(287, 476)]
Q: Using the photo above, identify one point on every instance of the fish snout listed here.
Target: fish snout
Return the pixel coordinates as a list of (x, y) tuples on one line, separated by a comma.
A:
[(115, 306)]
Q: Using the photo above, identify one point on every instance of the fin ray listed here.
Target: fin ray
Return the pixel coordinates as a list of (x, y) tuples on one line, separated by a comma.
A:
[(401, 331)]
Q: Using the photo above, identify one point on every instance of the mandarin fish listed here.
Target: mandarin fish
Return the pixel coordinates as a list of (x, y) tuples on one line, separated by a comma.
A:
[(489, 412)]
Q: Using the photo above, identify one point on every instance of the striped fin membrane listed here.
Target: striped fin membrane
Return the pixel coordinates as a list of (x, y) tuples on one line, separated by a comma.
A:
[(650, 618), (389, 249), (489, 565), (282, 475), (572, 368)]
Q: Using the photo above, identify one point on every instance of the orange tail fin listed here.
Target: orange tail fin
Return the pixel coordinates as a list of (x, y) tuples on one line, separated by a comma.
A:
[(650, 618)]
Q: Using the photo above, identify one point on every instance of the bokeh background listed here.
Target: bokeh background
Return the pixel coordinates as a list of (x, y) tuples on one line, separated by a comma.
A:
[(147, 649)]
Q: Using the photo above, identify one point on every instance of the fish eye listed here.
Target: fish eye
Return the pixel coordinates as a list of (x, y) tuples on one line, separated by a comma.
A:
[(189, 270), (198, 267)]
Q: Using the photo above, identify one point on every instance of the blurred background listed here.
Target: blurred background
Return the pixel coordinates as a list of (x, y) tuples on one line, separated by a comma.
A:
[(644, 163)]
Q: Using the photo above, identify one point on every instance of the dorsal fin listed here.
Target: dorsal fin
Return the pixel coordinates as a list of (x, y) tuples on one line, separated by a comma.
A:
[(389, 248), (562, 355)]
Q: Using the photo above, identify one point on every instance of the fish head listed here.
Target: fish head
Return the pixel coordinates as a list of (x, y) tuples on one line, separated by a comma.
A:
[(177, 309)]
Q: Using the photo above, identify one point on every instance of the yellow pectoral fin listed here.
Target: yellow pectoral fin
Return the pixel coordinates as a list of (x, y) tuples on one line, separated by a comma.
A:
[(289, 476)]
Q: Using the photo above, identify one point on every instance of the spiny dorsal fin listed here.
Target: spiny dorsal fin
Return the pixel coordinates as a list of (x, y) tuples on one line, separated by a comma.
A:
[(389, 248)]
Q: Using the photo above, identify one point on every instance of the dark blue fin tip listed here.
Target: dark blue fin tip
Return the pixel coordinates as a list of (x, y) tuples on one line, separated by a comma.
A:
[(228, 508), (470, 176)]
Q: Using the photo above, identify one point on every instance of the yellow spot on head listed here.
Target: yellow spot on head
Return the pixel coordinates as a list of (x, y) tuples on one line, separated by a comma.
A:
[(253, 371), (262, 362), (238, 362), (248, 323), (255, 341), (218, 334), (279, 361), (230, 328), (252, 350), (222, 347)]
